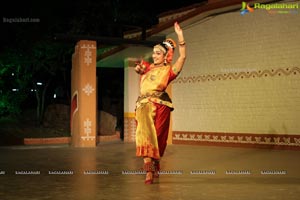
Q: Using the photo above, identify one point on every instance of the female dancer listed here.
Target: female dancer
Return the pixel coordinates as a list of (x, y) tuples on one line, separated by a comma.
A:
[(154, 105)]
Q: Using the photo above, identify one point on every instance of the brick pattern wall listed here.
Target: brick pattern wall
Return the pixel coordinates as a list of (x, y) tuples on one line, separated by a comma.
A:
[(129, 128), (242, 75)]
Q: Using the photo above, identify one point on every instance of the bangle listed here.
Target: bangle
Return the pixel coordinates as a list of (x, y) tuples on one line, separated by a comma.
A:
[(181, 42)]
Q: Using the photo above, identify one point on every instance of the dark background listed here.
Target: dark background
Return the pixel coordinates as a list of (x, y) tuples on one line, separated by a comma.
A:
[(33, 47), (90, 17)]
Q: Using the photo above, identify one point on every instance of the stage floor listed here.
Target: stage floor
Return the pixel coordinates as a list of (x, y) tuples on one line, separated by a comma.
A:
[(111, 171)]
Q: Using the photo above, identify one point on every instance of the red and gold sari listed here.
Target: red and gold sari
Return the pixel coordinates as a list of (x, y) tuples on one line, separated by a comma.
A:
[(153, 109)]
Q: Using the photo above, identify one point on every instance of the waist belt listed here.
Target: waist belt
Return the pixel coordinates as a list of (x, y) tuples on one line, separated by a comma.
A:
[(160, 95)]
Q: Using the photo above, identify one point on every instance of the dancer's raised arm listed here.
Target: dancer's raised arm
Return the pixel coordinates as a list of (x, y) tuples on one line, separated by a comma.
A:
[(177, 67)]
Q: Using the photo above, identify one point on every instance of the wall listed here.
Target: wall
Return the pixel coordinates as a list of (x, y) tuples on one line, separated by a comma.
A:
[(240, 85)]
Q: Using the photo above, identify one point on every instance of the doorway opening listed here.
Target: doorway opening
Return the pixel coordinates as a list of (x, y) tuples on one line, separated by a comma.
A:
[(110, 98)]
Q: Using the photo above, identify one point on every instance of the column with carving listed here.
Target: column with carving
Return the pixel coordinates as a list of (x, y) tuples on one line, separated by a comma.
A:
[(83, 102)]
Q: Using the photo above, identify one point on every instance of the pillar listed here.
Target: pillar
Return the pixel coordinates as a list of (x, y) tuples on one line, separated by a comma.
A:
[(83, 88), (131, 92)]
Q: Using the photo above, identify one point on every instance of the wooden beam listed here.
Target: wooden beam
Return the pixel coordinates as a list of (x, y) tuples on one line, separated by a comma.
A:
[(105, 40)]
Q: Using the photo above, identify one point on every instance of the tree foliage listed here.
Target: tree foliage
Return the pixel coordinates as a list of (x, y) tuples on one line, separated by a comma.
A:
[(29, 55), (49, 60), (22, 69), (14, 80)]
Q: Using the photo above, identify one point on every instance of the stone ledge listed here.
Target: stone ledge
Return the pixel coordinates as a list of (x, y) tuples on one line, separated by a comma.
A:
[(109, 138), (67, 140), (55, 140)]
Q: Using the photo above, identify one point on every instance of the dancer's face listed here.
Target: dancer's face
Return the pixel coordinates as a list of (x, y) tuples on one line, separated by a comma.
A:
[(158, 56)]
